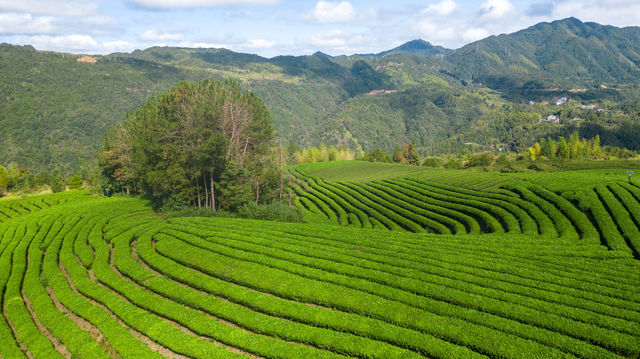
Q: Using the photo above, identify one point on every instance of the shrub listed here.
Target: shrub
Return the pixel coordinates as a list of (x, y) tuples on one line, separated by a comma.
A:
[(431, 162), (76, 182), (378, 155), (453, 163), (57, 184), (275, 211), (484, 159)]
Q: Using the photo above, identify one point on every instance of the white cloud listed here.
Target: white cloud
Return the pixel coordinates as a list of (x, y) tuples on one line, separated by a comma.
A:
[(435, 33), (13, 23), (99, 20), (49, 7), (445, 7), (496, 8), (338, 41), (116, 46), (474, 34), (73, 42), (204, 45), (331, 12), (154, 35), (260, 44), (187, 4)]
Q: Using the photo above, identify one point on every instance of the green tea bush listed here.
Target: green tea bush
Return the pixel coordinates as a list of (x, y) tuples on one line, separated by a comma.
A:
[(274, 211), (431, 162)]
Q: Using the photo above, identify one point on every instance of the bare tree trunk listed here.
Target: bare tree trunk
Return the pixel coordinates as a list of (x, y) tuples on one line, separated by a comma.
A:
[(198, 190), (257, 192), (204, 184), (246, 146), (213, 195), (281, 169)]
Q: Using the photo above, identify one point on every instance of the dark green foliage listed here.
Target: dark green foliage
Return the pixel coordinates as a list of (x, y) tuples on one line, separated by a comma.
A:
[(453, 163), (234, 187), (274, 211), (363, 78), (57, 184), (4, 179), (431, 162), (196, 142), (484, 159), (378, 155), (76, 182)]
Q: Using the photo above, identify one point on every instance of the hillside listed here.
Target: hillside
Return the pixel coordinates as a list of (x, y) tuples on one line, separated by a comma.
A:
[(565, 52), (55, 108)]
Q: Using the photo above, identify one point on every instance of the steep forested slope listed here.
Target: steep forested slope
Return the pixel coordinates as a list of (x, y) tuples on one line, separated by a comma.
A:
[(568, 51)]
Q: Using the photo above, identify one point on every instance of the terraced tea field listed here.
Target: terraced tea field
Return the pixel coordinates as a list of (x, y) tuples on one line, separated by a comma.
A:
[(520, 272), (585, 209)]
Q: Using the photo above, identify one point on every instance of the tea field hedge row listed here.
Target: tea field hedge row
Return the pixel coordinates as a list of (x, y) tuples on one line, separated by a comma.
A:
[(94, 277), (608, 213)]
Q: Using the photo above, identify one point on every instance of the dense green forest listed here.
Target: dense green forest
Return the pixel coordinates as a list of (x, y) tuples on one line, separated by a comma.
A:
[(496, 93)]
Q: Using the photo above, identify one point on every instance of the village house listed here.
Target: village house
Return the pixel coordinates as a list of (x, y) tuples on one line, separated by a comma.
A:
[(550, 118)]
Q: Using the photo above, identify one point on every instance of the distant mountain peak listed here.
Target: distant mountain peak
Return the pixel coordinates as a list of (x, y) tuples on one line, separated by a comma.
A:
[(416, 44), (417, 47), (566, 50), (320, 53)]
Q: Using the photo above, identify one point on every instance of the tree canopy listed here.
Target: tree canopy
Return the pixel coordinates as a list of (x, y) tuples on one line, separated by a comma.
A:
[(4, 179), (188, 141)]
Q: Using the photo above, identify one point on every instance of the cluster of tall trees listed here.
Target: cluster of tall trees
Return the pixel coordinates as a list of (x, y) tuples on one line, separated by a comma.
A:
[(406, 154), (208, 143), (15, 178), (324, 153), (574, 148)]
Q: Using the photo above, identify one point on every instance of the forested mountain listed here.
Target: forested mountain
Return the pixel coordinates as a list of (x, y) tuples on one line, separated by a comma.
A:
[(415, 47), (55, 108), (564, 52)]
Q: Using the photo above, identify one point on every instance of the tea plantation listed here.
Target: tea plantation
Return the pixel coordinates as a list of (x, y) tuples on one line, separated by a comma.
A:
[(398, 267)]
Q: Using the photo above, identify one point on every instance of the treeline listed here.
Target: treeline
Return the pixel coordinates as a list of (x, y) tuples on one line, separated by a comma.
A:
[(206, 144), (576, 148), (323, 153), (407, 154), (15, 178)]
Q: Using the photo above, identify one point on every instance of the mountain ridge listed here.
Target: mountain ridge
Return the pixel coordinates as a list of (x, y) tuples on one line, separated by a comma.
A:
[(55, 109)]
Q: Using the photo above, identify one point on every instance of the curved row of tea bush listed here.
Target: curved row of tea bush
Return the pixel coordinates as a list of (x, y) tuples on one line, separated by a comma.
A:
[(607, 214), (94, 277)]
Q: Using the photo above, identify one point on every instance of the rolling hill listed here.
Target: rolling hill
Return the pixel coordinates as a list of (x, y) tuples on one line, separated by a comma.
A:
[(55, 108)]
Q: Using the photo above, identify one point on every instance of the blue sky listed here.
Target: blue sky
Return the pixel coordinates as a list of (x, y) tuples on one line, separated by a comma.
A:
[(276, 27)]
